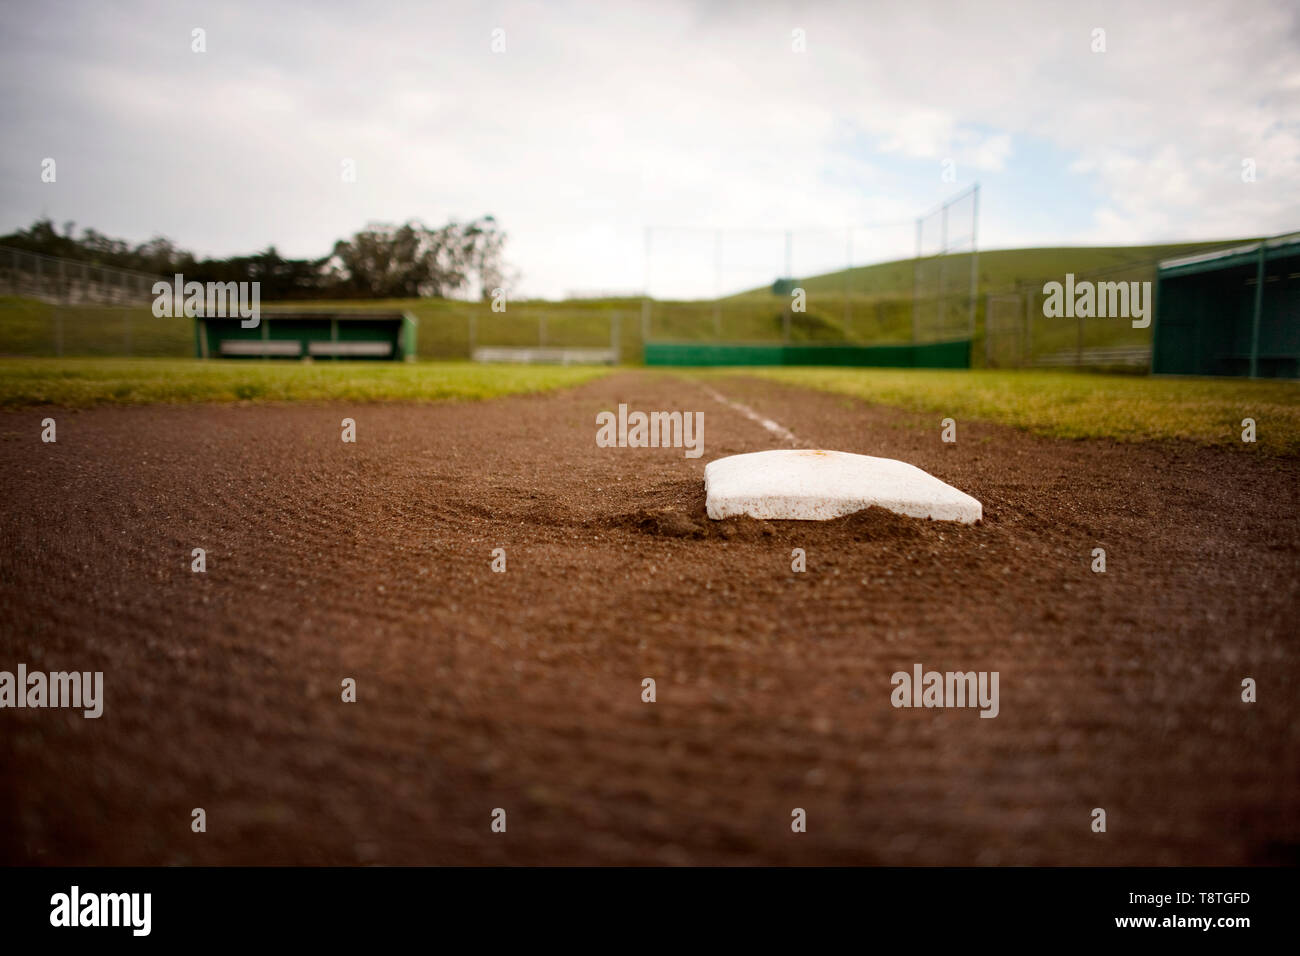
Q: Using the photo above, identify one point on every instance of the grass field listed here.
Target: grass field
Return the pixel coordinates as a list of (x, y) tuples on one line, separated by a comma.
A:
[(1079, 404), (81, 383), (1057, 404)]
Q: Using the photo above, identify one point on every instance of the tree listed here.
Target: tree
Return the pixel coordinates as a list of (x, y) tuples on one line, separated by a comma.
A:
[(412, 260), (381, 261)]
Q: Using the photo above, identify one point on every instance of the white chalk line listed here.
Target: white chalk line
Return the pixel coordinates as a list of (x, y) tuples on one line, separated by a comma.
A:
[(780, 431)]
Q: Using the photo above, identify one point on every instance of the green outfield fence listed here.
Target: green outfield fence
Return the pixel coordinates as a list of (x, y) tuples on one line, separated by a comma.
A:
[(951, 354)]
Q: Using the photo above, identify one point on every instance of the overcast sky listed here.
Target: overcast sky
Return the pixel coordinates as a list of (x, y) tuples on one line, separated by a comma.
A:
[(600, 119)]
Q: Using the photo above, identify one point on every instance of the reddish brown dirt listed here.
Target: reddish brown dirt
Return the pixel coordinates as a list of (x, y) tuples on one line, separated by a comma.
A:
[(523, 690)]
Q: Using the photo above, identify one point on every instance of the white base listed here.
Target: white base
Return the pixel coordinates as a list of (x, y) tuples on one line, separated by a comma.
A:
[(819, 485)]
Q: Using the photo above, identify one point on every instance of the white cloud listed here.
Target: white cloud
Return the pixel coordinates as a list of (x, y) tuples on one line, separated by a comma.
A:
[(602, 118)]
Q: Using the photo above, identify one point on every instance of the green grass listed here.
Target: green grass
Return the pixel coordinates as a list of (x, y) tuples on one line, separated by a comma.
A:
[(1078, 404), (30, 327), (86, 382)]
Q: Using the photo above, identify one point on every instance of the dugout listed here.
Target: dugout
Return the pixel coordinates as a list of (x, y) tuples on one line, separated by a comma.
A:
[(315, 335), (1231, 312)]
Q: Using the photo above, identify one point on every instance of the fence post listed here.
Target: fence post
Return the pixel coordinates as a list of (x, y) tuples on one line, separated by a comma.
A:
[(1028, 359), (615, 334), (1258, 310), (943, 255), (974, 262), (472, 332), (1078, 348), (988, 331), (848, 281), (717, 285), (645, 291), (916, 279)]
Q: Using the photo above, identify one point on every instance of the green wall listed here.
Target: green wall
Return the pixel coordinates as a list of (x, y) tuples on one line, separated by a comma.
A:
[(954, 354)]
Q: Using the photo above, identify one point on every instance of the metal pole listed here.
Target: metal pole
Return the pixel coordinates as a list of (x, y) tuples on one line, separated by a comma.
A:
[(615, 320), (916, 280), (1027, 355), (988, 331), (789, 242), (645, 295), (974, 264), (717, 285), (1078, 349), (848, 280), (473, 332), (943, 255), (1259, 308), (541, 329)]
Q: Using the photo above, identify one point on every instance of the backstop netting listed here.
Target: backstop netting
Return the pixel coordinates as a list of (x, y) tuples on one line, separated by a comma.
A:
[(884, 283), (945, 270), (541, 334)]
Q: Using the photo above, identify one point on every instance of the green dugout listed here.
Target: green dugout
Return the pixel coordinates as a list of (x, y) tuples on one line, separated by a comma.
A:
[(309, 335), (1231, 312)]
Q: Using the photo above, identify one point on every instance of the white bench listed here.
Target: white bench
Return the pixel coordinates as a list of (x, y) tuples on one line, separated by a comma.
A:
[(546, 356), (268, 347), (353, 349)]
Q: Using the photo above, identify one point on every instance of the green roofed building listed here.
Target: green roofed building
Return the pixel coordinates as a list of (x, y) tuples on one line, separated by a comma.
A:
[(309, 335), (1231, 312)]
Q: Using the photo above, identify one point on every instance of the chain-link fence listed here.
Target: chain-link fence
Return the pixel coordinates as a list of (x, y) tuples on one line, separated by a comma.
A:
[(69, 281), (945, 270), (537, 333), (67, 307), (809, 284), (774, 285), (1036, 323)]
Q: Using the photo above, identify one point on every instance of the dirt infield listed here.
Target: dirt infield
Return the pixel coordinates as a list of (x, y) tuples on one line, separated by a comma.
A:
[(522, 690)]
